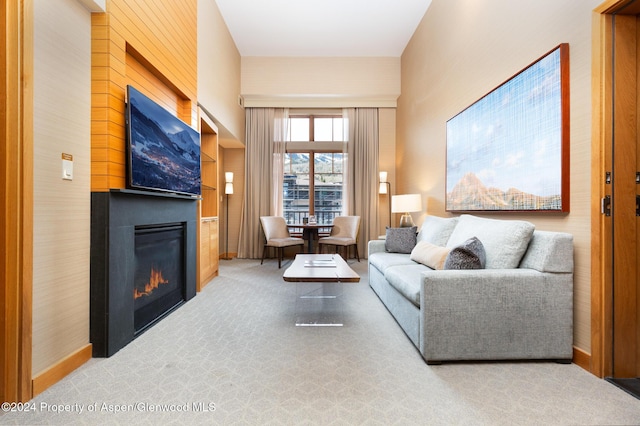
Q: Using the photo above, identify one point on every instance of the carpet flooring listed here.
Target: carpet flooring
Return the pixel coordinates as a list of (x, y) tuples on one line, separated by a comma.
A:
[(233, 356)]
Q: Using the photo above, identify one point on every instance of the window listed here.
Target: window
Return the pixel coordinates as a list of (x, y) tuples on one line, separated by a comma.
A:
[(317, 152)]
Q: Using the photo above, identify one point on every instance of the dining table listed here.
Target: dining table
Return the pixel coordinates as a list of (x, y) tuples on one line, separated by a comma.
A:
[(310, 232)]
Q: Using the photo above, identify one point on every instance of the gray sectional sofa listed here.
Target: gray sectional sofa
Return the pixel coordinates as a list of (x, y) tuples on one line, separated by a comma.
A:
[(520, 306)]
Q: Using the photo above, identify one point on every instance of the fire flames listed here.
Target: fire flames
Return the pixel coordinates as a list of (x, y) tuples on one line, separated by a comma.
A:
[(155, 279)]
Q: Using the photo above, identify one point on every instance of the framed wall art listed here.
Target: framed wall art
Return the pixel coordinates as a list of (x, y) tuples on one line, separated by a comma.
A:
[(509, 151)]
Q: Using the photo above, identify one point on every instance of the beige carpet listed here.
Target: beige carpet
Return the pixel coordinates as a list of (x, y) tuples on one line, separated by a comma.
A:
[(232, 355)]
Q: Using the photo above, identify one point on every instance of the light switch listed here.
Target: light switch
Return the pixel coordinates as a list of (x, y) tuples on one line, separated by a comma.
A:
[(67, 166)]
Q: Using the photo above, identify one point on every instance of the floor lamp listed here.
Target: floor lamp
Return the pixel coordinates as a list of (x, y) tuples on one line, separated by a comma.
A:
[(385, 188), (228, 189)]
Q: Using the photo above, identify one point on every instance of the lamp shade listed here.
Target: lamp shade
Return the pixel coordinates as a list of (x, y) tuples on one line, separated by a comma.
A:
[(228, 188), (382, 189), (406, 203), (228, 177)]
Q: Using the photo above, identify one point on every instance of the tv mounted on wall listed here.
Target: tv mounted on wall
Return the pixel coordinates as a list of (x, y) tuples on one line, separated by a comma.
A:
[(163, 151)]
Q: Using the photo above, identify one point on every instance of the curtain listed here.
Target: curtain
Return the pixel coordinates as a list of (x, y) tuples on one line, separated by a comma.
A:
[(360, 191), (266, 133), (263, 183), (281, 127)]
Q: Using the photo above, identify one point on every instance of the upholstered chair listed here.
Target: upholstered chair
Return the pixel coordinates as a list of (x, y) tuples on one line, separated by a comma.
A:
[(277, 236), (344, 233)]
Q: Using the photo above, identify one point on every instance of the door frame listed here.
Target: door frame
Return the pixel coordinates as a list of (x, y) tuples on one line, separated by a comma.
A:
[(16, 220), (602, 266)]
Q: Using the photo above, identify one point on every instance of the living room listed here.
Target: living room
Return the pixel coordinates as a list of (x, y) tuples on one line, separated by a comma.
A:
[(459, 52)]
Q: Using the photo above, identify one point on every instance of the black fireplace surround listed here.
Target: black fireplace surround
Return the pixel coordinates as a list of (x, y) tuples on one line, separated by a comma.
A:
[(115, 216)]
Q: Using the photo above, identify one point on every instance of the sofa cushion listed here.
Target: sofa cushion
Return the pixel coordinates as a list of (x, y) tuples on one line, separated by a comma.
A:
[(505, 241), (400, 240), (468, 255), (429, 254), (436, 230), (407, 280), (549, 252), (382, 261)]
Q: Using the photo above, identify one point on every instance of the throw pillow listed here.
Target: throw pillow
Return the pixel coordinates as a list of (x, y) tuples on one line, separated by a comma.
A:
[(505, 241), (468, 255), (429, 254), (437, 230), (400, 240)]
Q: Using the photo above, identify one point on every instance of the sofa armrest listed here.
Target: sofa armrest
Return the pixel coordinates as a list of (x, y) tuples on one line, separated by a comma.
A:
[(376, 246), (496, 314)]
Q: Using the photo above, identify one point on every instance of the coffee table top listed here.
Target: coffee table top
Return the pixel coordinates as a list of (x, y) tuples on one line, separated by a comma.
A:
[(320, 268)]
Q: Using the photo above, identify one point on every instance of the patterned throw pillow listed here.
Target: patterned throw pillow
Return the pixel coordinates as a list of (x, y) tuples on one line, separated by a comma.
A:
[(504, 241), (400, 240), (468, 255)]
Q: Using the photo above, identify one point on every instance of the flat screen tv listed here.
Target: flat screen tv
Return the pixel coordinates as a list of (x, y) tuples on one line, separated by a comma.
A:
[(163, 151)]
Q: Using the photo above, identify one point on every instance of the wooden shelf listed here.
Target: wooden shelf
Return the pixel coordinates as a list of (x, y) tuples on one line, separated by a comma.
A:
[(209, 245)]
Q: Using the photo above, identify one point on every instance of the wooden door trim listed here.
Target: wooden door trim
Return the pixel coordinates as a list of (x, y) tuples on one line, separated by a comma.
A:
[(16, 223), (601, 310), (601, 225)]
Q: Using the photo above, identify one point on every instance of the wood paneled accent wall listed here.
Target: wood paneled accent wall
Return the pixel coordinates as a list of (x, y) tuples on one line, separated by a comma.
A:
[(153, 46)]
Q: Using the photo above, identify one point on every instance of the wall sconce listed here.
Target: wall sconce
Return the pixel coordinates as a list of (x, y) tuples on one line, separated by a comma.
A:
[(385, 188), (228, 189), (406, 204)]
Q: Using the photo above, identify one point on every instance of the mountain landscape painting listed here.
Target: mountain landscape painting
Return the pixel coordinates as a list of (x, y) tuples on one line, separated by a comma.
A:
[(507, 151), (164, 151)]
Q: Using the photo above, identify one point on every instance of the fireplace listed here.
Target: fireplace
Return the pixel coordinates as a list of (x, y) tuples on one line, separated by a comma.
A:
[(158, 280), (143, 263)]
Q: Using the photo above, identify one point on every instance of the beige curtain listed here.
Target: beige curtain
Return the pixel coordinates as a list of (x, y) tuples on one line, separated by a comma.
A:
[(360, 192), (280, 133), (263, 187)]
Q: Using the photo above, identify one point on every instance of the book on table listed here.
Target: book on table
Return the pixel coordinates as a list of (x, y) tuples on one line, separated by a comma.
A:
[(320, 263)]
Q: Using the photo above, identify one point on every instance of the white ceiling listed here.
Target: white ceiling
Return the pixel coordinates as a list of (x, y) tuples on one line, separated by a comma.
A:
[(322, 27)]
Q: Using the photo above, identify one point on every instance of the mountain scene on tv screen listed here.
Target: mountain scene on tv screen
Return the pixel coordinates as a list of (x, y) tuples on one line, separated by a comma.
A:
[(165, 152)]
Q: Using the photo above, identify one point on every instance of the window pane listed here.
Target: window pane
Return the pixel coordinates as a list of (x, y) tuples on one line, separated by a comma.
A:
[(296, 187), (323, 129), (328, 186), (327, 197), (300, 129), (338, 131)]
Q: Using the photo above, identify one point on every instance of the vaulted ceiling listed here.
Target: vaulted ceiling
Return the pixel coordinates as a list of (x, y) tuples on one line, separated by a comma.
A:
[(322, 27)]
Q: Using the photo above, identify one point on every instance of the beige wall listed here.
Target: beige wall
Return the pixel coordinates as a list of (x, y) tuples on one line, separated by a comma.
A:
[(61, 234), (320, 82), (387, 162), (231, 160), (219, 72), (460, 52)]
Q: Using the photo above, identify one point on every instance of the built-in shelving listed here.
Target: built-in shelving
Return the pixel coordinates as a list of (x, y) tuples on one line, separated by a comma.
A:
[(209, 246)]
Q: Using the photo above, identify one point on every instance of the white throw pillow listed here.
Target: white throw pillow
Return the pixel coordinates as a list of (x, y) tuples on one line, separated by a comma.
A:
[(429, 254), (505, 241), (436, 230)]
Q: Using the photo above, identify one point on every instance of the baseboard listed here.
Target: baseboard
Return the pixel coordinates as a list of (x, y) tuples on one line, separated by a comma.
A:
[(59, 370), (582, 359)]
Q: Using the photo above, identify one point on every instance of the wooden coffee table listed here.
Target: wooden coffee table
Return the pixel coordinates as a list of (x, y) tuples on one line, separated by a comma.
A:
[(320, 278)]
